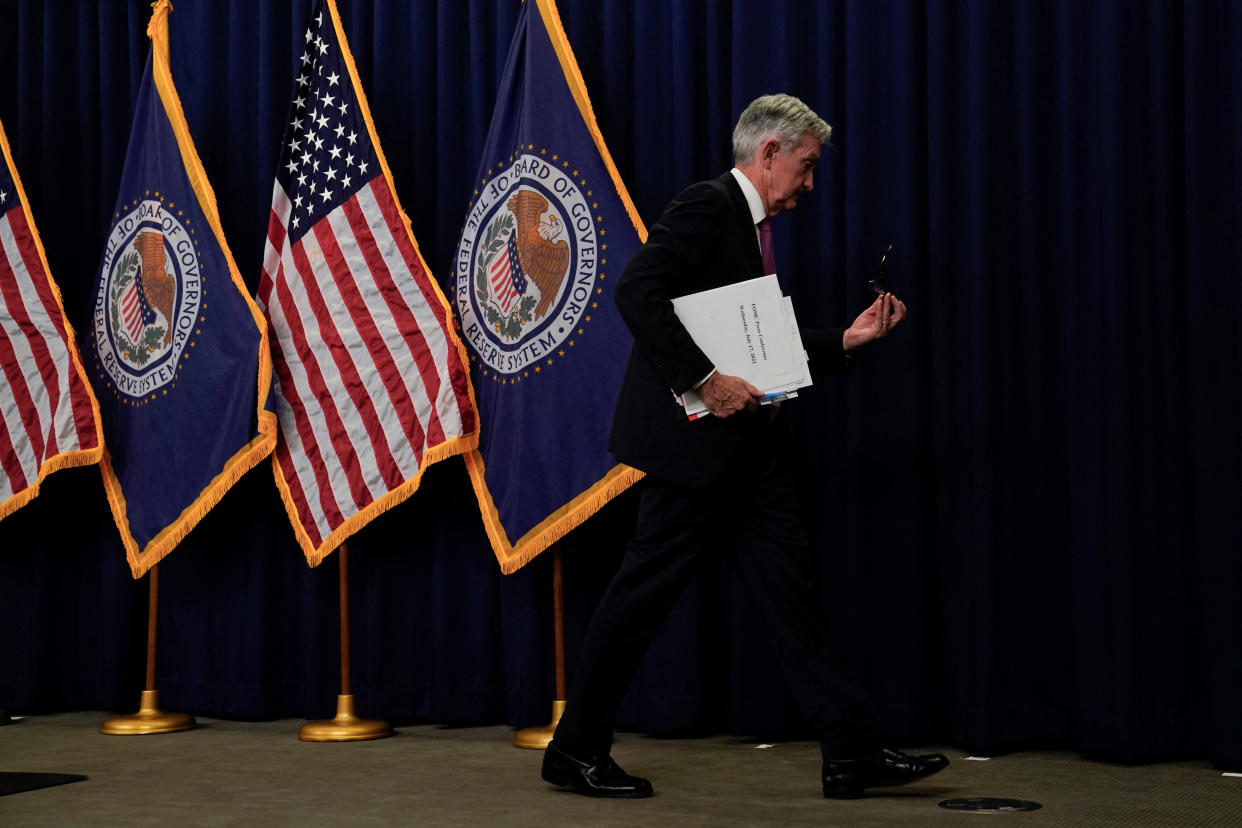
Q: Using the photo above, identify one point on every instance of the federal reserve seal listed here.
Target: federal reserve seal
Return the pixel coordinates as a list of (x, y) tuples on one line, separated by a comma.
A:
[(148, 299), (526, 267)]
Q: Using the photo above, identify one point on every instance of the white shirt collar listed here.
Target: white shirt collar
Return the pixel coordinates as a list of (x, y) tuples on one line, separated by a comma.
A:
[(753, 200)]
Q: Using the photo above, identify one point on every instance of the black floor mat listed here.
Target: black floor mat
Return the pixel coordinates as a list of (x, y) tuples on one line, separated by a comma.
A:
[(11, 783)]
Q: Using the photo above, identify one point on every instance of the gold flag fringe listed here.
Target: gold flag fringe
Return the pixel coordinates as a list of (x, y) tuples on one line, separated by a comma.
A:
[(65, 460), (514, 556), (569, 64), (159, 546), (315, 555)]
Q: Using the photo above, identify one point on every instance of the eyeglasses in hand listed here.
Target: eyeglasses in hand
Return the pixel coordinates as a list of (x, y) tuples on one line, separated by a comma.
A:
[(879, 283)]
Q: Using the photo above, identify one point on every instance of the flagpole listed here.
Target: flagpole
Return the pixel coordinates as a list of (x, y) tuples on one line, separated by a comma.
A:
[(537, 738), (149, 718), (346, 727)]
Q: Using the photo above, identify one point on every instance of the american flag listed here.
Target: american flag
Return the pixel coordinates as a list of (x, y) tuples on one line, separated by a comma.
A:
[(370, 379), (48, 416), (508, 280)]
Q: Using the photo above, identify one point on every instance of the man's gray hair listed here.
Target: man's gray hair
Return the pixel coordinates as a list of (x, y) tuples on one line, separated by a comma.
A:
[(782, 117)]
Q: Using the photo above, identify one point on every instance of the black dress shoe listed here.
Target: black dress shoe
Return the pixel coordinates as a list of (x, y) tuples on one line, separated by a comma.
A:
[(846, 778), (598, 777)]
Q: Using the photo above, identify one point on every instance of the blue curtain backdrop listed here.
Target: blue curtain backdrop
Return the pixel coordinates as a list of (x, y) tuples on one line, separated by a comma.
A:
[(1026, 503)]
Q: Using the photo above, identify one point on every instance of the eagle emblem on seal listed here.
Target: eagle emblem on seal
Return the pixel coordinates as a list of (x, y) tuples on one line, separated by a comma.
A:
[(524, 265)]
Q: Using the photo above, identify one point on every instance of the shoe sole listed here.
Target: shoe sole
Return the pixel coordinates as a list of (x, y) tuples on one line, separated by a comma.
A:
[(857, 792), (570, 786)]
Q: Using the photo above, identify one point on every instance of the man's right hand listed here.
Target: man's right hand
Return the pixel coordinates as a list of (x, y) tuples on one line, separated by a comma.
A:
[(725, 395)]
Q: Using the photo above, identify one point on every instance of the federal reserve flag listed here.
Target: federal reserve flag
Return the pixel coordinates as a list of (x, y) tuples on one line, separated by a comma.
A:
[(371, 379), (179, 350), (549, 229), (49, 419)]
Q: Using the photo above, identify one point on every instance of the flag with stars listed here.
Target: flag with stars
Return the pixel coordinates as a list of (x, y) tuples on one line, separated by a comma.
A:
[(549, 226), (178, 355), (371, 384), (49, 419)]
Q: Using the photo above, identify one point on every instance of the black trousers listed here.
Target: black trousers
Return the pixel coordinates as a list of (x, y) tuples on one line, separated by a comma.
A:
[(753, 517)]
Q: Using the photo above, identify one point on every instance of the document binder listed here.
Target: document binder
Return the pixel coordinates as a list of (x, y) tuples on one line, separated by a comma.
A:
[(747, 329)]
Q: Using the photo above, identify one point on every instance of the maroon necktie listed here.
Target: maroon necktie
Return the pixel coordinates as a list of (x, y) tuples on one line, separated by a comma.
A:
[(765, 247)]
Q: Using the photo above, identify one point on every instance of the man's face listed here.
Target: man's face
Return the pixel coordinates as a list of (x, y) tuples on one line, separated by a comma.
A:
[(788, 175)]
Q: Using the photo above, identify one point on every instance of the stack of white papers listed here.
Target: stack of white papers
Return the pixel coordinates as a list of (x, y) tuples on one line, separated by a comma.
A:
[(746, 329)]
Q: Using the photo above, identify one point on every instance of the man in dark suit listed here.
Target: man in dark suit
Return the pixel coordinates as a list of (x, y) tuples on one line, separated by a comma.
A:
[(721, 484)]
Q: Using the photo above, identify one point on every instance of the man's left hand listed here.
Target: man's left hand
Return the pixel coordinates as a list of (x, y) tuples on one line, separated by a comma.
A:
[(726, 395), (876, 322)]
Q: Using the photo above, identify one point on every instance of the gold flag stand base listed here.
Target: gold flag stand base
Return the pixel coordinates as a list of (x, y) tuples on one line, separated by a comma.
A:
[(537, 738), (346, 727), (148, 719)]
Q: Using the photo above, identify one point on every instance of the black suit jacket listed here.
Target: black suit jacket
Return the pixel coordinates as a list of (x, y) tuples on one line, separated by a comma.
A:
[(704, 239)]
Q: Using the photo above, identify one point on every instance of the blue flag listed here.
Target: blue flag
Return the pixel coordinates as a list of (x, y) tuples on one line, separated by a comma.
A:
[(549, 230), (179, 356)]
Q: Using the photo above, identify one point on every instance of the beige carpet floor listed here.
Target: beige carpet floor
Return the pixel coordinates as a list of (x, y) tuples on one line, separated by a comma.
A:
[(259, 773)]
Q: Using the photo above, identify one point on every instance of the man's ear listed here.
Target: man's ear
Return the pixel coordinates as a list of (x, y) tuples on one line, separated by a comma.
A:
[(769, 150)]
